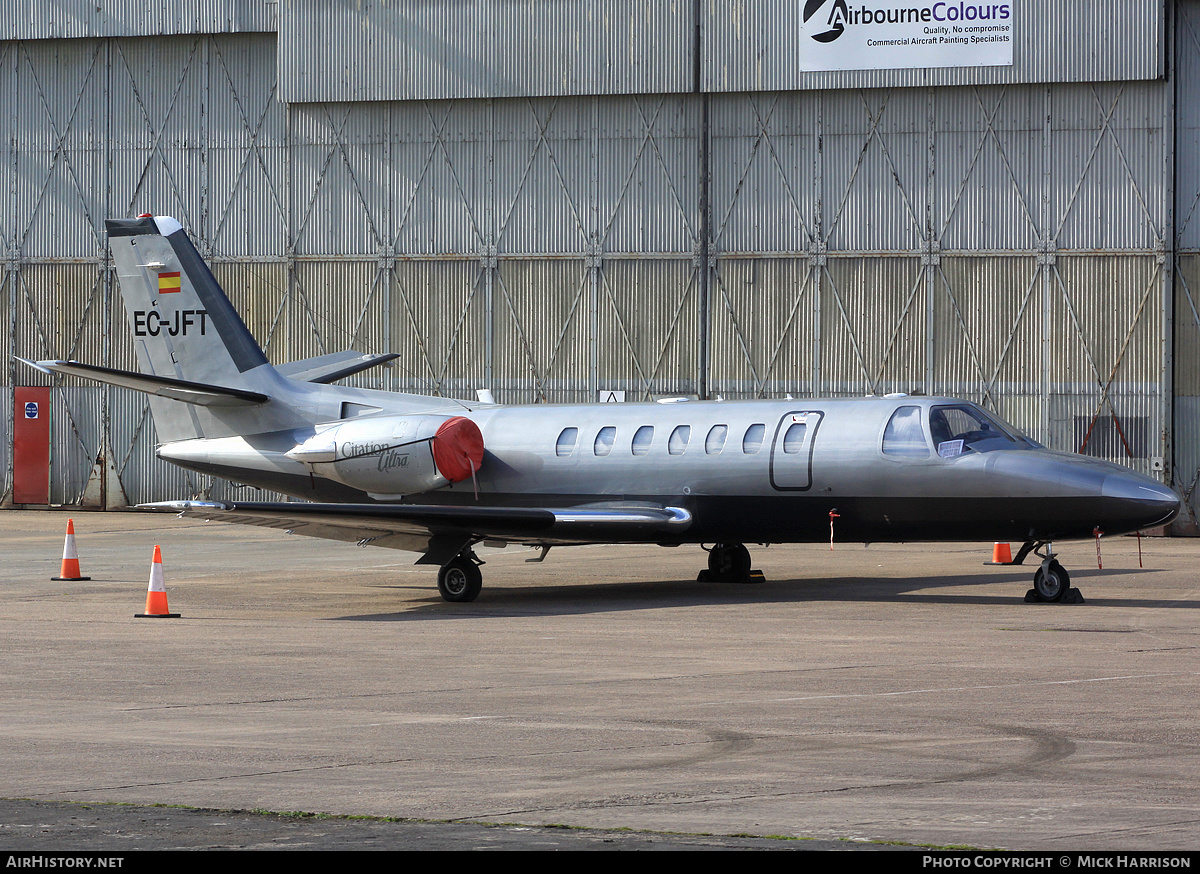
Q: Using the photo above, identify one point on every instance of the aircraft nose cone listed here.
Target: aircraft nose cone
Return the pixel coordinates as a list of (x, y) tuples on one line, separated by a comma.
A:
[(1145, 500)]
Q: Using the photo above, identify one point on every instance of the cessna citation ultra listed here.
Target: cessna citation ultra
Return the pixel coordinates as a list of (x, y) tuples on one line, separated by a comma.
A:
[(438, 476)]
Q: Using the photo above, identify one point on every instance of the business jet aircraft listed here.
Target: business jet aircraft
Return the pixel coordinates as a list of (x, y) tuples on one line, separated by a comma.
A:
[(439, 476)]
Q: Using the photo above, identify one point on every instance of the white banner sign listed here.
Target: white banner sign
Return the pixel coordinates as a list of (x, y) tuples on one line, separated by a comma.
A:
[(891, 34)]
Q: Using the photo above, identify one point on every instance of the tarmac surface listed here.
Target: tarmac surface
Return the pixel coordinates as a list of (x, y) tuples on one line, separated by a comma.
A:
[(864, 697)]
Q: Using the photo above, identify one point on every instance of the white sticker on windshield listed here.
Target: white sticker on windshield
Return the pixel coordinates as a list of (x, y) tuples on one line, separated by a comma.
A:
[(950, 448)]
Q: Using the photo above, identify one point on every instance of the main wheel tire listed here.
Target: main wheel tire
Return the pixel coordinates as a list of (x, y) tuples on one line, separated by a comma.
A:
[(1051, 582), (460, 580), (729, 562)]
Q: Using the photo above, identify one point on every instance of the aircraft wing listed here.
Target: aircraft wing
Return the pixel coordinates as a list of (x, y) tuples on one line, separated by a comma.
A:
[(441, 532)]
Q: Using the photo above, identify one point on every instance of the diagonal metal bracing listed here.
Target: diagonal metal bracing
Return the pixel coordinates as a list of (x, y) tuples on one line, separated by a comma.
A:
[(255, 129), (739, 333), (542, 145), (158, 131), (440, 138), (278, 317), (1012, 332), (1105, 121), (988, 133), (376, 282), (9, 64), (666, 345), (918, 285), (1189, 297), (719, 231), (651, 140), (783, 175), (526, 345), (1131, 176), (94, 296), (76, 432), (873, 137), (647, 138), (625, 333), (542, 124), (47, 350), (306, 213), (427, 164), (846, 323), (566, 323), (968, 338), (60, 151), (417, 331), (338, 146), (803, 295), (1185, 25), (1106, 385), (458, 328)]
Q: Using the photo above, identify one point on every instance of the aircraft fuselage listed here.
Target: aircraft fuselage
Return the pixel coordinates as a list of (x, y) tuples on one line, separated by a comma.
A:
[(751, 471)]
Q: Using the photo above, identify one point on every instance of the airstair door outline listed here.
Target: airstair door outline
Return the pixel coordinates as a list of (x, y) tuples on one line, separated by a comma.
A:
[(792, 450)]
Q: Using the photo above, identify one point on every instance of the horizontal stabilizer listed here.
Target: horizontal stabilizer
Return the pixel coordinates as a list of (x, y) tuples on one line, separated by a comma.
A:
[(161, 386), (325, 369), (428, 528)]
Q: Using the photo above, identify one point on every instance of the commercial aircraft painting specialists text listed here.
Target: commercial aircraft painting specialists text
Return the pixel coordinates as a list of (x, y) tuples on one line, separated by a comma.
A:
[(938, 12)]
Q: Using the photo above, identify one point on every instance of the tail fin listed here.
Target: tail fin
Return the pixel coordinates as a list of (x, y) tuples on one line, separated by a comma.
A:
[(185, 329)]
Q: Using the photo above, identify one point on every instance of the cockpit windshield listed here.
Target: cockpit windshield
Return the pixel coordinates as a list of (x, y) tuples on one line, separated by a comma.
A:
[(959, 427)]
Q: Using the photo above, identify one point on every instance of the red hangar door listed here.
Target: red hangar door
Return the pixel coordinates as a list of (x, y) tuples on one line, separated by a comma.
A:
[(31, 445)]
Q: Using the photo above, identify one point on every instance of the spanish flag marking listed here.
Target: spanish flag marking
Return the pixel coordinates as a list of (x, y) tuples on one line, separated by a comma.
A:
[(168, 283)]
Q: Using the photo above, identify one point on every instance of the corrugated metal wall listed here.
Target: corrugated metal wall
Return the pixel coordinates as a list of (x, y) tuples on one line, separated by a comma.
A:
[(455, 49), (1186, 471), (478, 48), (74, 19), (1003, 243), (1007, 243), (753, 45)]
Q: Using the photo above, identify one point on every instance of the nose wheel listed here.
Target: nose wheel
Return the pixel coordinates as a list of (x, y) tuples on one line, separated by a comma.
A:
[(1051, 582)]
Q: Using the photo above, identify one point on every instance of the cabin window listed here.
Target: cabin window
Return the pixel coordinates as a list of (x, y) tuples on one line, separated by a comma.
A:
[(679, 439), (715, 441), (793, 440), (904, 436), (642, 439), (566, 441), (605, 440), (752, 441)]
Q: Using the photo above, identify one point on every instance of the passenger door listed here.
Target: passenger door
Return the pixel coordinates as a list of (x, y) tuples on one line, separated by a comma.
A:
[(792, 450)]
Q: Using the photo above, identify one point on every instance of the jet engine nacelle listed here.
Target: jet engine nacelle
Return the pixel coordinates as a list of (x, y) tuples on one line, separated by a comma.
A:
[(393, 456)]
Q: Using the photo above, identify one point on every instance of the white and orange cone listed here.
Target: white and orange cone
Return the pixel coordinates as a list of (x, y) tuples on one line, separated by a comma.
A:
[(70, 559), (156, 594)]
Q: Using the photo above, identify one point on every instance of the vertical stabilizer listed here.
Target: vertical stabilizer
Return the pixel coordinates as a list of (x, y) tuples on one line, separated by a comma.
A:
[(184, 327)]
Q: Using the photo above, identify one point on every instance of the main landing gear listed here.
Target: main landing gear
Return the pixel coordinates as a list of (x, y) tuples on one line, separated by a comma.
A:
[(729, 563), (1051, 582), (460, 579)]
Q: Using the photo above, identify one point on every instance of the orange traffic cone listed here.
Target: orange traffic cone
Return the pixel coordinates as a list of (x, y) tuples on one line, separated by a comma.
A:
[(156, 595), (70, 559), (1001, 554)]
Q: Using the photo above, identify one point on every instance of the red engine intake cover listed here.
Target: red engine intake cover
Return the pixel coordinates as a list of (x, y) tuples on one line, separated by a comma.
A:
[(458, 449)]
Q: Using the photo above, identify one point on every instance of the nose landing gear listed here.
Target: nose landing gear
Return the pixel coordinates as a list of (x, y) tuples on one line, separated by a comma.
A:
[(1051, 582)]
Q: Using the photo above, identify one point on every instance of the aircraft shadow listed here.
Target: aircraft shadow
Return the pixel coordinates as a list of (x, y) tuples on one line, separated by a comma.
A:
[(580, 599)]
